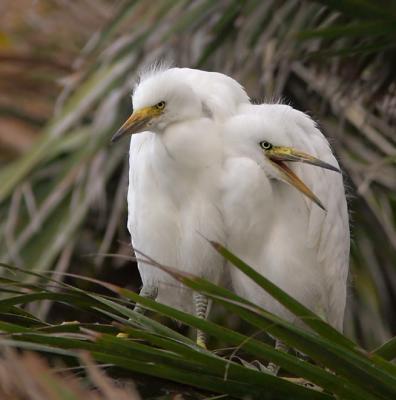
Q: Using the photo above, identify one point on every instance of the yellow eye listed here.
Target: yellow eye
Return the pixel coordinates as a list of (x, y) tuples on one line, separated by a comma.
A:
[(160, 105)]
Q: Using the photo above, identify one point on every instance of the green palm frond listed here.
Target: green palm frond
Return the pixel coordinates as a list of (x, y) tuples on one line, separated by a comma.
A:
[(341, 368)]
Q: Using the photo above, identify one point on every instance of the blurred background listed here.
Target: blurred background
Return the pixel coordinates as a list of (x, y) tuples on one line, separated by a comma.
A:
[(66, 73)]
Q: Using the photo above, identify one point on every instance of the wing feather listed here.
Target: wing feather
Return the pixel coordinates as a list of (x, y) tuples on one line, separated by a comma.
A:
[(328, 231)]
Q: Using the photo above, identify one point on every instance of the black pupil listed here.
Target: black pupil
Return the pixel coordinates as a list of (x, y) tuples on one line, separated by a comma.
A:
[(160, 104), (266, 145)]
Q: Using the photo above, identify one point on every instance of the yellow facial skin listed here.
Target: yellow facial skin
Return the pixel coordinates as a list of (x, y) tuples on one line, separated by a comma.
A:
[(278, 154), (138, 121)]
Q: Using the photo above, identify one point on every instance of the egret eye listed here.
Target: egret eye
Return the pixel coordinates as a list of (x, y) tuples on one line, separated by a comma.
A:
[(266, 145), (160, 105)]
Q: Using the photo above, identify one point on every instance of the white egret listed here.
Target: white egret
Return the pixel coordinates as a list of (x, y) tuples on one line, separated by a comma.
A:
[(174, 192), (213, 164), (300, 246)]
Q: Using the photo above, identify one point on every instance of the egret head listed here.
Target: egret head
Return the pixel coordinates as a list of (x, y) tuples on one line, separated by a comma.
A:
[(257, 139), (159, 100), (277, 155)]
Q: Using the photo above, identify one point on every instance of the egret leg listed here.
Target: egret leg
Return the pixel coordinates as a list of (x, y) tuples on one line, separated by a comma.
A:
[(201, 307), (272, 368), (148, 291)]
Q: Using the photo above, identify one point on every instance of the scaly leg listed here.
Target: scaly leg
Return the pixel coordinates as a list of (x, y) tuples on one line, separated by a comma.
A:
[(272, 368), (201, 303), (148, 291)]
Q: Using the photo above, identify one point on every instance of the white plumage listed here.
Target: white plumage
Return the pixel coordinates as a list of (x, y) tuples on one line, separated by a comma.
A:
[(173, 194), (275, 228), (213, 164), (173, 190)]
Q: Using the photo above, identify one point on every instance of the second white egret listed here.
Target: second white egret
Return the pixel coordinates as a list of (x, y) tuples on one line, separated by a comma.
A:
[(296, 237)]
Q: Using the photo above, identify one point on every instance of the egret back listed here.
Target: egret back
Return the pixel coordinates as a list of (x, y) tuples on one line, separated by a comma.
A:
[(220, 94)]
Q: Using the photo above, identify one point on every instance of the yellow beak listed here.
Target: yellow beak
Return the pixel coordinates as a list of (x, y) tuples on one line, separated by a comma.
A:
[(136, 123), (278, 154)]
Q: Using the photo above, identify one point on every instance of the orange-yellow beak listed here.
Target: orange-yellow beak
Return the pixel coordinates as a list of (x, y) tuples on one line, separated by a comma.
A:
[(137, 122), (279, 154)]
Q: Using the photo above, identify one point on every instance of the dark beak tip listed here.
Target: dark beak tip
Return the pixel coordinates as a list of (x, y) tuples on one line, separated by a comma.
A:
[(325, 165), (332, 168), (117, 136)]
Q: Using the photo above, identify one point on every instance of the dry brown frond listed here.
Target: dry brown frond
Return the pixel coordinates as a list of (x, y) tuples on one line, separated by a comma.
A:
[(27, 376)]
